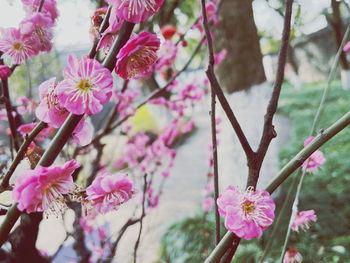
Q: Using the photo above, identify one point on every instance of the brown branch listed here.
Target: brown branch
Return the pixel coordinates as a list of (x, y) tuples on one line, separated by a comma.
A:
[(269, 131), (218, 91), (215, 166), (142, 216)]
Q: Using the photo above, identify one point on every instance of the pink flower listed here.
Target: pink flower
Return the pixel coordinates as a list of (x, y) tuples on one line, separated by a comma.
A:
[(167, 54), (208, 204), (96, 21), (38, 27), (209, 188), (5, 72), (135, 11), (191, 92), (187, 127), (102, 234), (125, 100), (292, 256), (109, 35), (168, 31), (26, 106), (219, 57), (43, 188), (303, 219), (86, 86), (316, 159), (25, 129), (16, 46), (107, 192), (53, 113), (86, 224), (49, 7), (346, 47), (137, 55), (247, 214)]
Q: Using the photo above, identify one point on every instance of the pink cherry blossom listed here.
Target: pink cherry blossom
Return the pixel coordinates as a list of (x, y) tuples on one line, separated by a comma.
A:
[(53, 113), (303, 219), (167, 54), (209, 188), (38, 27), (102, 234), (208, 204), (96, 21), (316, 159), (16, 46), (219, 57), (5, 72), (26, 106), (107, 192), (124, 101), (135, 11), (191, 92), (86, 224), (86, 86), (346, 47), (187, 127), (168, 31), (49, 7), (26, 129), (247, 214), (292, 256), (42, 189), (137, 55), (109, 35)]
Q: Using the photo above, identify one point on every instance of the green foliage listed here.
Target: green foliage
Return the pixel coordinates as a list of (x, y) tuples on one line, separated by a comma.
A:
[(188, 241), (42, 67), (327, 192)]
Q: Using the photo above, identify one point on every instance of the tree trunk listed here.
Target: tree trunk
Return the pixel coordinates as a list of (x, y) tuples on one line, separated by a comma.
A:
[(236, 32), (337, 24)]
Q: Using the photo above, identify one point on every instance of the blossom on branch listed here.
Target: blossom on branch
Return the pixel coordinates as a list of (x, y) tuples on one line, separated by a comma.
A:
[(315, 160), (49, 8), (247, 214), (38, 28), (303, 219), (137, 55), (16, 46), (86, 86), (5, 72), (54, 114), (292, 256), (135, 11), (107, 192), (42, 189)]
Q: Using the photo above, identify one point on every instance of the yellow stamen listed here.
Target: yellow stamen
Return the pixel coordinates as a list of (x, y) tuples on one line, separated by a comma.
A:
[(84, 85)]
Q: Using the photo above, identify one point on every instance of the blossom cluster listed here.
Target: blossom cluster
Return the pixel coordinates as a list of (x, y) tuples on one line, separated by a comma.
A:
[(34, 34), (43, 189)]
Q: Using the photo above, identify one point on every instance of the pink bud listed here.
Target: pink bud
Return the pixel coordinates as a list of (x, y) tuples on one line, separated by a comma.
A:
[(5, 72)]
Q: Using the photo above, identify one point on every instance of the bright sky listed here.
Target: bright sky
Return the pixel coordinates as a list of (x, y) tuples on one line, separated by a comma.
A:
[(74, 20)]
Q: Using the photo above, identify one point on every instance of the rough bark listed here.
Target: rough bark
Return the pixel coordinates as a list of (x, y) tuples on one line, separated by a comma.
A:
[(236, 31)]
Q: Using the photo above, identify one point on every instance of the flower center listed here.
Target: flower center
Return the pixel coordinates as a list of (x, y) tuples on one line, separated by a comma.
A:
[(84, 85), (248, 207), (18, 46), (39, 31)]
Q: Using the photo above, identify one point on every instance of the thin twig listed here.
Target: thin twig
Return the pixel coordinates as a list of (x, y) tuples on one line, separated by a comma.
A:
[(41, 4), (312, 132), (269, 131), (215, 166), (142, 216), (218, 91), (9, 111)]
